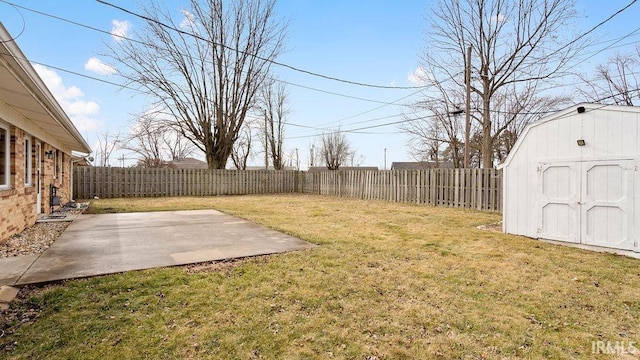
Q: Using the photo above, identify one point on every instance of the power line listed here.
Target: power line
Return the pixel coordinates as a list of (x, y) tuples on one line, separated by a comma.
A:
[(24, 26), (190, 56), (291, 67), (356, 130), (592, 29), (69, 71), (558, 50), (127, 87), (608, 46), (540, 113), (376, 108)]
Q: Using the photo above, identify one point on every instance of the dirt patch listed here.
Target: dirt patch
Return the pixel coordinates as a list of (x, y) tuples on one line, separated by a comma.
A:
[(224, 265), (16, 316), (494, 227)]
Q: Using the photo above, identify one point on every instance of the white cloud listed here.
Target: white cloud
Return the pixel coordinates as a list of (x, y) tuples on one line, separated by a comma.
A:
[(80, 111), (419, 76), (80, 107), (119, 29), (86, 124), (96, 65)]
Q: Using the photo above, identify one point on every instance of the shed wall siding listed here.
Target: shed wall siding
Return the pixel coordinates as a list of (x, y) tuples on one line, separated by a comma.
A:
[(610, 133)]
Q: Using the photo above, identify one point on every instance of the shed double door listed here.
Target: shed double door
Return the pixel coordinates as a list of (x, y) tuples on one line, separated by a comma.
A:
[(587, 202)]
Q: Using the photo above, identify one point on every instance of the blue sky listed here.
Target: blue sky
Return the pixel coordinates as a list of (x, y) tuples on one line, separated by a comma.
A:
[(373, 41)]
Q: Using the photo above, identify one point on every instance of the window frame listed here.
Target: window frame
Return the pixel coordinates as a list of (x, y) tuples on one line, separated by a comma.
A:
[(5, 180), (28, 160), (61, 167), (56, 165)]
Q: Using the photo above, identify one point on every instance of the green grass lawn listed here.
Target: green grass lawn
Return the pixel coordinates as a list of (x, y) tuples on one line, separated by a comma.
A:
[(388, 281)]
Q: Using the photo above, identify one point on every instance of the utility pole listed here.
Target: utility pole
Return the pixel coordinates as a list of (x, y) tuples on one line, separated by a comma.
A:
[(266, 143), (313, 148), (467, 108), (297, 160), (385, 158)]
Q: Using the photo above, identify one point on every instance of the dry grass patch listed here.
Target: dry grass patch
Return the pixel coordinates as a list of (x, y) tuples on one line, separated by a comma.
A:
[(389, 281)]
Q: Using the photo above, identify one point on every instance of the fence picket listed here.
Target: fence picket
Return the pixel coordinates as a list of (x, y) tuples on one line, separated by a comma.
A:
[(462, 188)]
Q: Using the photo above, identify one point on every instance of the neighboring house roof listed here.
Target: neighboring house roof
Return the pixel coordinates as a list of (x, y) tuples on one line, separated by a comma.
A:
[(421, 165), (345, 168), (358, 168), (29, 104), (80, 161), (189, 163)]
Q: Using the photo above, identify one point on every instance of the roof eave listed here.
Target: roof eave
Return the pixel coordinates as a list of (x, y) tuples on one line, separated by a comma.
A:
[(39, 90)]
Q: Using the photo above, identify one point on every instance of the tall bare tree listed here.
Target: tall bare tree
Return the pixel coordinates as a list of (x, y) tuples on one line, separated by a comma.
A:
[(335, 150), (616, 81), (204, 67), (274, 110), (515, 46)]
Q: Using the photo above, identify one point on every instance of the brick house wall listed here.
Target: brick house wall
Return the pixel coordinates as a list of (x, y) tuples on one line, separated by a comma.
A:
[(19, 203), (31, 119)]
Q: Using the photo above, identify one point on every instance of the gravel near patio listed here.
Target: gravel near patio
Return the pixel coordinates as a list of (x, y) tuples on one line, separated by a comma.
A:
[(36, 238)]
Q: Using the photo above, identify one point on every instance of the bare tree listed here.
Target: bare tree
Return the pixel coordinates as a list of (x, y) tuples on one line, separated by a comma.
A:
[(434, 124), (335, 149), (178, 147), (436, 127), (355, 160), (513, 110), (107, 144), (616, 81), (274, 109), (515, 45), (155, 142), (205, 67), (242, 150)]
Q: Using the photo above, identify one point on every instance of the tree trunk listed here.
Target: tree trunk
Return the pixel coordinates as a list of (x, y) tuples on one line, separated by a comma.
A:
[(487, 139)]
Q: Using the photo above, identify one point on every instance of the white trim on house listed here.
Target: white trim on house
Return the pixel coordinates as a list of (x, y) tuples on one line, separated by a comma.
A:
[(38, 178), (28, 160), (55, 164), (5, 180)]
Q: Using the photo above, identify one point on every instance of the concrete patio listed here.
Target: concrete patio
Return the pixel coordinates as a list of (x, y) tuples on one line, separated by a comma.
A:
[(112, 243)]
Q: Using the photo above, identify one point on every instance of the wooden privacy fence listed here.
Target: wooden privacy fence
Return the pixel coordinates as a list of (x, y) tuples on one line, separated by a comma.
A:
[(463, 188), (110, 182)]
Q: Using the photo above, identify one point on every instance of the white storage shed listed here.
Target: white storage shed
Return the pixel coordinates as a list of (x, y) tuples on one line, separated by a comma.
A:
[(573, 177)]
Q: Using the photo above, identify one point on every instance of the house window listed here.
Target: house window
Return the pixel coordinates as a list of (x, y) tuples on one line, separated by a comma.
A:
[(5, 156), (28, 155)]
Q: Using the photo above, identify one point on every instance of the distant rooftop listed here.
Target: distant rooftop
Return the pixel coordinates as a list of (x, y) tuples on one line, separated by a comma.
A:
[(189, 163), (421, 165), (345, 168)]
